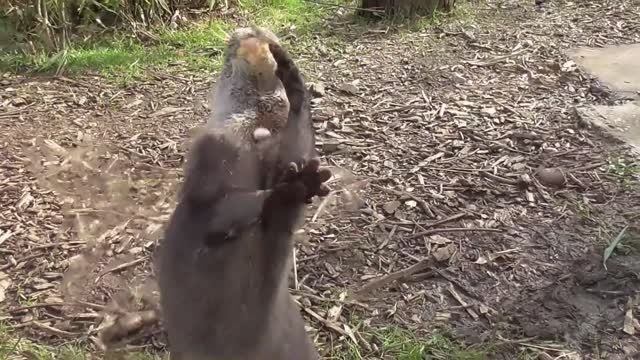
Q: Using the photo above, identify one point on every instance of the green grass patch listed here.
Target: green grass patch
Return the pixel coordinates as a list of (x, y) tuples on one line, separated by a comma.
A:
[(626, 170), (122, 57), (13, 347), (196, 48), (392, 342), (400, 344), (462, 13)]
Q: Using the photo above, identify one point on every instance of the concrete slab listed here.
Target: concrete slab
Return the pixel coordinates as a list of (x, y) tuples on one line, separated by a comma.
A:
[(622, 121), (616, 66)]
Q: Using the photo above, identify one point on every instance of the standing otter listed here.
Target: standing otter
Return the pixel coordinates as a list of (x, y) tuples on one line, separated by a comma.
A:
[(225, 256)]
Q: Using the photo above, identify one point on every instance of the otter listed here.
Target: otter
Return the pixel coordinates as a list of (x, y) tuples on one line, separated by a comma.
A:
[(224, 259)]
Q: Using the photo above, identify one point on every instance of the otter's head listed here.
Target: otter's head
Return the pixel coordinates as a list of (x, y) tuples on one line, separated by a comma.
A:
[(248, 51)]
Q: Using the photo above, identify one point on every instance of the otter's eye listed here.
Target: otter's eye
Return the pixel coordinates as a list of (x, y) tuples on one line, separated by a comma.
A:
[(219, 238)]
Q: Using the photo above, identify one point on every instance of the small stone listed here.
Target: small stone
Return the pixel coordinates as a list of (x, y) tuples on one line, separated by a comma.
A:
[(551, 177), (348, 88)]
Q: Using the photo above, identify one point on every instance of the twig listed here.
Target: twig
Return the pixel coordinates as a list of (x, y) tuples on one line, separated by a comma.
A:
[(296, 285), (457, 296), (588, 167), (436, 231), (35, 306), (384, 280), (445, 220), (331, 300), (609, 250), (53, 330), (499, 179), (329, 324), (121, 267), (324, 203), (26, 258)]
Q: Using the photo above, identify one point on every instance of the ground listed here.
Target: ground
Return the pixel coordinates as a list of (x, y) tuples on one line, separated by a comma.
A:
[(445, 222)]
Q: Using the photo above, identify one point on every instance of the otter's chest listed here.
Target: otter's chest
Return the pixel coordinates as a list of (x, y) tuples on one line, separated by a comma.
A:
[(254, 109)]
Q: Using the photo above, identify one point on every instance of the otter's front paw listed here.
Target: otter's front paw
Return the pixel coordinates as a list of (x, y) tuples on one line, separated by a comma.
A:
[(302, 185)]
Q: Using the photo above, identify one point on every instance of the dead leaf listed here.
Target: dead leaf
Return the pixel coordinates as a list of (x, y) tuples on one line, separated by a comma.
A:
[(444, 253), (628, 326), (391, 206), (334, 313)]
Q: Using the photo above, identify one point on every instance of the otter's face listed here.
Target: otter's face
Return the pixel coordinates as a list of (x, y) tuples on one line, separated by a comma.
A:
[(248, 51)]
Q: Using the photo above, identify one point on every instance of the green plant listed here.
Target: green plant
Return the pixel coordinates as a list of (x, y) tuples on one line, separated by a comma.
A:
[(627, 171)]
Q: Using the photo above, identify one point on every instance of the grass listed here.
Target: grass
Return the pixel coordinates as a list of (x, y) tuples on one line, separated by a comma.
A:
[(15, 348), (393, 343), (626, 170), (196, 48), (400, 344)]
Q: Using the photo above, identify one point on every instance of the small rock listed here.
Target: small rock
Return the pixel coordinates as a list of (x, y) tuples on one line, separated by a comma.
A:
[(348, 88), (317, 89), (551, 177)]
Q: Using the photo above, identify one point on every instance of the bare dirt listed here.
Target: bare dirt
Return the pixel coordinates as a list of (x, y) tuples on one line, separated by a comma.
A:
[(444, 132)]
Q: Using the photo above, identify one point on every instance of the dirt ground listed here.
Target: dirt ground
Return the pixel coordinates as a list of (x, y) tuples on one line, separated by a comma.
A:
[(441, 219)]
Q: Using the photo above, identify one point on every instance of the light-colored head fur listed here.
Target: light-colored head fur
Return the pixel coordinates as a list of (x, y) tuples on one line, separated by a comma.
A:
[(248, 51)]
